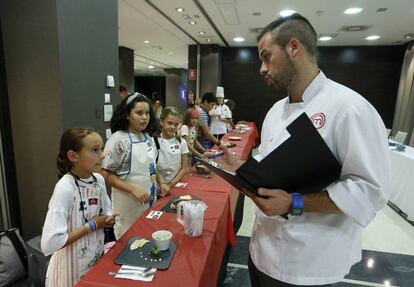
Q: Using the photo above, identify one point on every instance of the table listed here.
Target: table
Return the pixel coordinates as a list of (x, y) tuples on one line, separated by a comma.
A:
[(402, 180), (197, 261)]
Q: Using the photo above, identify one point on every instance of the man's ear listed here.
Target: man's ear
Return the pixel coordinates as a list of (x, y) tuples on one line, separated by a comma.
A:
[(293, 47), (72, 156)]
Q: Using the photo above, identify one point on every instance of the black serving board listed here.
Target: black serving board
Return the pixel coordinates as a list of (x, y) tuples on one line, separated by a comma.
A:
[(137, 257), (167, 207)]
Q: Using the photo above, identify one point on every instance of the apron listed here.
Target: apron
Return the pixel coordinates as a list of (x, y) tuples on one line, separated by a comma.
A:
[(141, 159), (68, 264), (169, 160)]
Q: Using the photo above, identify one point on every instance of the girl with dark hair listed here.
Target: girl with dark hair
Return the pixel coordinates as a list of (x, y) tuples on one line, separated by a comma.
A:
[(78, 210), (129, 164), (172, 163)]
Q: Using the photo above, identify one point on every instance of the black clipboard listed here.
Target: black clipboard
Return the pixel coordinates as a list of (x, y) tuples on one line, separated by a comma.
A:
[(302, 164), (230, 177)]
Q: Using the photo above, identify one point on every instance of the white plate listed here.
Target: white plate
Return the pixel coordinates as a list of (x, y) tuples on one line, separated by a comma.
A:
[(235, 138)]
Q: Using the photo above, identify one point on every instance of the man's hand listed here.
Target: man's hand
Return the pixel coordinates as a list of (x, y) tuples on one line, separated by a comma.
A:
[(277, 201)]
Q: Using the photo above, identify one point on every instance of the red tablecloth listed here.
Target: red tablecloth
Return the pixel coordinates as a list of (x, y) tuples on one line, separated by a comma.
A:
[(197, 260)]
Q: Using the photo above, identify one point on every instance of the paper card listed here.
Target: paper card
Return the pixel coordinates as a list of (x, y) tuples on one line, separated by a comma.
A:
[(181, 184), (154, 214)]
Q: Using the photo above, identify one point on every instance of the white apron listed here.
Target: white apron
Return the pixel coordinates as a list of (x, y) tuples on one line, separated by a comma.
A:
[(169, 158), (142, 155), (67, 265)]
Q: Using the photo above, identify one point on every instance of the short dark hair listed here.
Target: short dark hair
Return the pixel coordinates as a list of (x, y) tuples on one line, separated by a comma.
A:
[(231, 104), (209, 97), (122, 89), (119, 120), (293, 26)]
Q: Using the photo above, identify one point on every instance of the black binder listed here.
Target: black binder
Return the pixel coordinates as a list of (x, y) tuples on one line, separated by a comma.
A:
[(302, 164)]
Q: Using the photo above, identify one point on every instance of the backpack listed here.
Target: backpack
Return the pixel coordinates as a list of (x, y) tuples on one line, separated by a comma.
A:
[(13, 257)]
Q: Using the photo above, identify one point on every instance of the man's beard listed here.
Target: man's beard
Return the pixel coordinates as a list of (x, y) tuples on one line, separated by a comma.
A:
[(284, 78)]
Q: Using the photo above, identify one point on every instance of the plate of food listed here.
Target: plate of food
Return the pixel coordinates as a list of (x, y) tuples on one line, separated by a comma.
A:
[(171, 206), (233, 138), (144, 253)]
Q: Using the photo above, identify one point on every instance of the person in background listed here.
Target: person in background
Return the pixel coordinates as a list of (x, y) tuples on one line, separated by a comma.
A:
[(129, 163), (122, 92), (231, 104), (157, 109), (78, 210), (172, 159), (188, 131), (197, 102), (205, 138), (220, 115), (321, 239)]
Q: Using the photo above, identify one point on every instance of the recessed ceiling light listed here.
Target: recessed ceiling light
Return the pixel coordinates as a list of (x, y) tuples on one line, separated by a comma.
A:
[(179, 10), (372, 37), (353, 10), (208, 40), (192, 22), (146, 42), (170, 53), (238, 39), (408, 36), (325, 38), (151, 67), (201, 32), (285, 13)]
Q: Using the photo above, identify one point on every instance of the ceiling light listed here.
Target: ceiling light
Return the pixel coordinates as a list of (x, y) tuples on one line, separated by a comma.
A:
[(179, 10), (208, 40), (192, 22), (372, 37), (285, 13), (325, 38), (151, 67), (352, 10), (146, 42), (408, 36), (170, 53), (238, 39), (201, 32)]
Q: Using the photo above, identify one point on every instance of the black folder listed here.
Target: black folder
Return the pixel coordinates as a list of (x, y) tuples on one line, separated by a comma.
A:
[(302, 164)]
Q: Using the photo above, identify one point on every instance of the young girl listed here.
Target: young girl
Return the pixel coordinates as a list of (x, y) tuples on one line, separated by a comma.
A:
[(78, 210), (188, 131), (130, 160), (172, 161)]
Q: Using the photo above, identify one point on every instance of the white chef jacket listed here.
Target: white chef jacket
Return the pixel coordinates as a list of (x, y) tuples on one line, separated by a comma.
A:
[(317, 248), (217, 126), (169, 157)]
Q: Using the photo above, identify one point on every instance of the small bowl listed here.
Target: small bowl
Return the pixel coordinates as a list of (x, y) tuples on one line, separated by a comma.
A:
[(162, 239)]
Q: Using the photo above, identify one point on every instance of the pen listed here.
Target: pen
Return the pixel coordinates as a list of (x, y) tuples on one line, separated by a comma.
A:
[(216, 155)]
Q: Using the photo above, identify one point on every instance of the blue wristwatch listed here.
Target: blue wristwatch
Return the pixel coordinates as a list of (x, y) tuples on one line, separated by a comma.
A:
[(297, 204)]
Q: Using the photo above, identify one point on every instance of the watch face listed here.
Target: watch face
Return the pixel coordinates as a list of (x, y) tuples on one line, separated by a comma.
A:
[(296, 211)]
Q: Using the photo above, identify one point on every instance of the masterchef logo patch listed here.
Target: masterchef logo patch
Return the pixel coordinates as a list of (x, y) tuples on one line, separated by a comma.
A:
[(93, 201), (318, 120)]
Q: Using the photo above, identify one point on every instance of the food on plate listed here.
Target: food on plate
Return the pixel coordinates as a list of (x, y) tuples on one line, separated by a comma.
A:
[(155, 251), (138, 243), (174, 203)]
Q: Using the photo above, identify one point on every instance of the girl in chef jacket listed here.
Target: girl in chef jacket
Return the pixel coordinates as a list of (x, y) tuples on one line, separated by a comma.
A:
[(129, 164), (78, 209), (172, 160)]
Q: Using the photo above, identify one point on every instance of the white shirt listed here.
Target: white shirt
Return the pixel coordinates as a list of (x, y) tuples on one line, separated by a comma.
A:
[(217, 126), (316, 248), (169, 158)]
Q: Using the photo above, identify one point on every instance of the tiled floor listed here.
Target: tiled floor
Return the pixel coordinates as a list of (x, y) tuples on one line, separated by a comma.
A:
[(387, 256)]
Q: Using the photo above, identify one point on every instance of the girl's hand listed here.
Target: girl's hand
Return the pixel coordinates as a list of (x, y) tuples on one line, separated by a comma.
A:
[(207, 154), (164, 189), (110, 220), (100, 221), (142, 196)]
